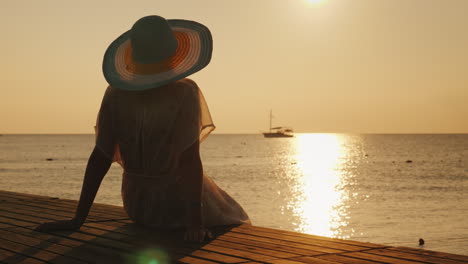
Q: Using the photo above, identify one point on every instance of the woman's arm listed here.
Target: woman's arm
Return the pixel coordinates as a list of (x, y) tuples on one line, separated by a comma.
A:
[(192, 171), (98, 165)]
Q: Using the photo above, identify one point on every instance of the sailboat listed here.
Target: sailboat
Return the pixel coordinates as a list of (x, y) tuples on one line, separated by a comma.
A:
[(276, 132)]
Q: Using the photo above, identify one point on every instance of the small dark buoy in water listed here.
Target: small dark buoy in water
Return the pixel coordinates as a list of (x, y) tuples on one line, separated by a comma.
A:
[(49, 159), (421, 242), (409, 161)]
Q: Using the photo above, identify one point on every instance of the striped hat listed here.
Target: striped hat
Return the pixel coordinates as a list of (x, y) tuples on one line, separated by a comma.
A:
[(156, 52)]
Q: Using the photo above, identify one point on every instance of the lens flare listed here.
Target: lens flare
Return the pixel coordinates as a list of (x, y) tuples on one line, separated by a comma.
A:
[(150, 256)]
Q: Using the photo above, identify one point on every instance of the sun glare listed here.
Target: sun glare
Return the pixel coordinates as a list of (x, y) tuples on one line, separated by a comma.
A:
[(321, 207)]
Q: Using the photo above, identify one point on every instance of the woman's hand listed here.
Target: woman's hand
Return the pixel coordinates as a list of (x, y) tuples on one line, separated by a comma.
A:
[(197, 234), (72, 224)]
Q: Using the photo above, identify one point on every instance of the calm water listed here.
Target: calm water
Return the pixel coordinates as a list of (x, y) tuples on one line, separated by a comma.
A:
[(361, 187)]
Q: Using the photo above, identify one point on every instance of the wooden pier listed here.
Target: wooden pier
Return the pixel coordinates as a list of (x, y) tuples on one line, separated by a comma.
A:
[(108, 236)]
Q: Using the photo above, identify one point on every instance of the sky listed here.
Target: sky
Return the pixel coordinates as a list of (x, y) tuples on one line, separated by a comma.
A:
[(329, 66)]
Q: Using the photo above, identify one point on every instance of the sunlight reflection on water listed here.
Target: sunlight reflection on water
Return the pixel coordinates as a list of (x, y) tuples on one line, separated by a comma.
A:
[(320, 202)]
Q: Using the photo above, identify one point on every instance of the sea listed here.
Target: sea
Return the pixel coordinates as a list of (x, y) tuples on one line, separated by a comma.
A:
[(381, 188)]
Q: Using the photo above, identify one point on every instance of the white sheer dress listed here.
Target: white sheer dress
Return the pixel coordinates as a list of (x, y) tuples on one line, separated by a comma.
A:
[(146, 132)]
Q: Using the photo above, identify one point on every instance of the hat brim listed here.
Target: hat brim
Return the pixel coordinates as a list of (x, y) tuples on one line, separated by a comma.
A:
[(197, 54)]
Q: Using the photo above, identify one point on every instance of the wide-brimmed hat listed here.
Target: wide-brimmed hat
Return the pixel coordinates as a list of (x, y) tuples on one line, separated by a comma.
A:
[(156, 52)]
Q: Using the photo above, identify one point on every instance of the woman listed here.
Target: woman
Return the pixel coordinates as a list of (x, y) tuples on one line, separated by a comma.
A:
[(151, 121)]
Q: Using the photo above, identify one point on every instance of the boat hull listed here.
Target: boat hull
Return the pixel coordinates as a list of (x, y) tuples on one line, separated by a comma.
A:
[(277, 135)]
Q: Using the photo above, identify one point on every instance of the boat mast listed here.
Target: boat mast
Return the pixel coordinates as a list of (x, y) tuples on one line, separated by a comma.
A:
[(271, 117)]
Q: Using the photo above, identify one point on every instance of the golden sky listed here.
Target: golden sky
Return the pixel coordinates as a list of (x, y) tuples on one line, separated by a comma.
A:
[(351, 66)]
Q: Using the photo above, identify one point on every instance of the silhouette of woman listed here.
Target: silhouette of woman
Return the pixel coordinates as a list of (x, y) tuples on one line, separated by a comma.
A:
[(151, 121)]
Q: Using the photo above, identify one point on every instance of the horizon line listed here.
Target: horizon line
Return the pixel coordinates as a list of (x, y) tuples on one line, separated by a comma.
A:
[(259, 133)]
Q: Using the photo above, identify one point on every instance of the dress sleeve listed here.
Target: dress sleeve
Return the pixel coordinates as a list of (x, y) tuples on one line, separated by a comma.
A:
[(193, 122), (206, 125), (105, 134)]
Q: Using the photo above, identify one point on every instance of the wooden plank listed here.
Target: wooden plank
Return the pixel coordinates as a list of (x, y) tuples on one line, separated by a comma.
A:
[(411, 256), (302, 235), (35, 204), (98, 241), (310, 248), (237, 252), (280, 249), (89, 238), (63, 204), (45, 214), (68, 205), (268, 253), (13, 258), (80, 251), (252, 262), (432, 253), (14, 222), (285, 261), (30, 241), (22, 217), (46, 236), (139, 239), (128, 221), (65, 241), (378, 258), (344, 259), (116, 226), (51, 210), (212, 256), (4, 225), (192, 260), (302, 240), (16, 195), (103, 233), (37, 253), (313, 260)]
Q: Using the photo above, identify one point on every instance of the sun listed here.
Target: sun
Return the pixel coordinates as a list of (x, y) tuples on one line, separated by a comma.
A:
[(316, 2)]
